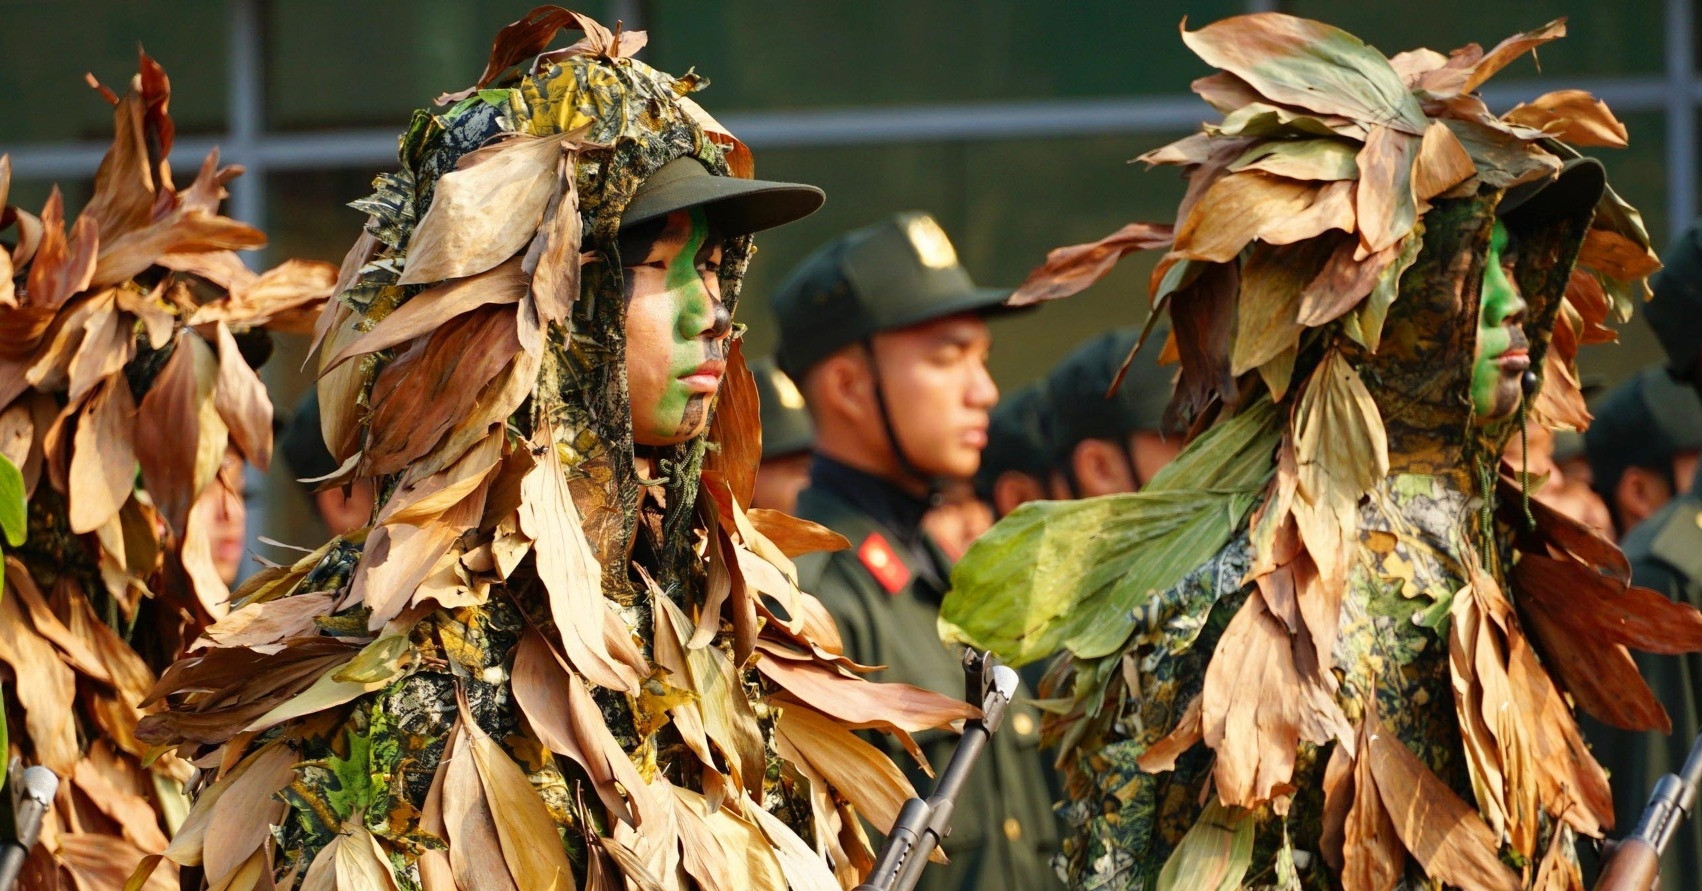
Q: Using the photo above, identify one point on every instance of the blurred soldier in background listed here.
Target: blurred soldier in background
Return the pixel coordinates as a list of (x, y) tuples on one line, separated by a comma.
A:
[(1017, 463), (884, 331), (1642, 445), (1103, 444), (787, 438), (342, 508)]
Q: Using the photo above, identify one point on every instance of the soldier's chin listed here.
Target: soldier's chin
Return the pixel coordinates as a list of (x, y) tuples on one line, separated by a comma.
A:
[(694, 423), (1508, 393)]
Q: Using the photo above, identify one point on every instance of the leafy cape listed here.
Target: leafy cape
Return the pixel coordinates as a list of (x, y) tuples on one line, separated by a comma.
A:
[(536, 667), (1328, 646)]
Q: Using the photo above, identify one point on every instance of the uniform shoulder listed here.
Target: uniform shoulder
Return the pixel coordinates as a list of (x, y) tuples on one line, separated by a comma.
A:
[(1672, 537)]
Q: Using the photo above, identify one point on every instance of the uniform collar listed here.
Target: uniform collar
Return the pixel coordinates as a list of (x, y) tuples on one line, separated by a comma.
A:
[(878, 498)]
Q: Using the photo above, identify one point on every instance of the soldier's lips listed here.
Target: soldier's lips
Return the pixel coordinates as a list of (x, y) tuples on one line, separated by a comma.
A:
[(975, 437), (1514, 361), (705, 378)]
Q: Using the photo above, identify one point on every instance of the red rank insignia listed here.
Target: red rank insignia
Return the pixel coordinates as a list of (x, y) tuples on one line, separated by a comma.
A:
[(883, 563)]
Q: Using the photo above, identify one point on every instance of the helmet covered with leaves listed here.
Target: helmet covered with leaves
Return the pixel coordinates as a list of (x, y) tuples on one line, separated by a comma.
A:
[(127, 353), (1305, 613), (554, 657)]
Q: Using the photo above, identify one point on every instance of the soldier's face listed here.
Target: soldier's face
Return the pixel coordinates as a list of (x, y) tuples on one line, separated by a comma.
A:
[(938, 392), (676, 330), (1502, 351)]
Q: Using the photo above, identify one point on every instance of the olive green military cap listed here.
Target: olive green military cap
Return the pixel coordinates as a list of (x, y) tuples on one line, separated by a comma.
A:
[(1675, 312), (735, 206), (900, 272), (1643, 422), (1078, 386), (786, 425), (1017, 439)]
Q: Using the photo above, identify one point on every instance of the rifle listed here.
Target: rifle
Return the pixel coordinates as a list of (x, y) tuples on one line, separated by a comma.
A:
[(921, 824), (32, 794), (1635, 863)]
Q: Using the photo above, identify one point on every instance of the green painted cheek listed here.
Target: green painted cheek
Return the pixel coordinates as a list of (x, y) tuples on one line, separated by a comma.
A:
[(688, 300), (1496, 298)]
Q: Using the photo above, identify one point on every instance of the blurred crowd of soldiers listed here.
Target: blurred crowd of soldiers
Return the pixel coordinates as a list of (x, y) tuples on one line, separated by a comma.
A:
[(881, 422)]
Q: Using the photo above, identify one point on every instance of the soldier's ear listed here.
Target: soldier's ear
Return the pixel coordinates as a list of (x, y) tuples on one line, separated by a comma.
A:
[(1640, 493), (1101, 468), (842, 387), (1014, 489)]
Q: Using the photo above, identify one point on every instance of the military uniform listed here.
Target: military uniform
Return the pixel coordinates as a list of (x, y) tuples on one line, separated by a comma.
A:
[(885, 590), (884, 593)]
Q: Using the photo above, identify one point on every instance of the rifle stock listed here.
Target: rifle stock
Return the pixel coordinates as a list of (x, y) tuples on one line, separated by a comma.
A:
[(1635, 863)]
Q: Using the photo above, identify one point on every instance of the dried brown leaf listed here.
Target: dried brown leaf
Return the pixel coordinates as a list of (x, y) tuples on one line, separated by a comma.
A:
[(737, 428), (242, 819), (527, 834), (475, 848), (240, 398), (1237, 209), (192, 225), (178, 411), (794, 536), (1384, 197), (1442, 162), (103, 456), (1372, 855), (63, 265), (43, 685), (486, 210), (1443, 832), (430, 309), (567, 721), (1071, 270)]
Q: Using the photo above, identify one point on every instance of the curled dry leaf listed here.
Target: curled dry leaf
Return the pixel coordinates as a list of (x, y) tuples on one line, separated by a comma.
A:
[(103, 457), (1384, 197), (1237, 209), (1071, 270), (240, 399), (486, 210), (794, 536), (435, 306)]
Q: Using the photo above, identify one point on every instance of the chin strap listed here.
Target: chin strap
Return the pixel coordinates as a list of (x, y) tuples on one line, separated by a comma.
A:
[(905, 466)]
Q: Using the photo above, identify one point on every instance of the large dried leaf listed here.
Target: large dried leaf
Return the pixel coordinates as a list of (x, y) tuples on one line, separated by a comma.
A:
[(1237, 209), (63, 266), (567, 721), (129, 180), (571, 574), (243, 817), (805, 870), (1071, 270), (237, 686), (858, 770), (261, 624), (180, 439), (103, 457), (1267, 315), (107, 346), (1468, 68), (362, 864), (553, 261), (42, 684), (747, 859), (737, 428), (531, 844), (1308, 64), (794, 536), (1341, 452), (192, 225), (1314, 159), (861, 703), (1444, 833), (241, 401), (1372, 857), (373, 668), (1384, 197), (1442, 162), (521, 40), (430, 309), (486, 210), (117, 789), (475, 849), (1331, 209), (1616, 256)]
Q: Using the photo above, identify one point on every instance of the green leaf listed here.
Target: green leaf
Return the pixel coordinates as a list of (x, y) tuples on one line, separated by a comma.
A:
[(1310, 65), (14, 505), (1315, 159), (1066, 575), (1215, 853)]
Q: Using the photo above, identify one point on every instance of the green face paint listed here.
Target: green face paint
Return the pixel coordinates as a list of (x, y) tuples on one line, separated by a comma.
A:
[(1500, 361), (672, 331)]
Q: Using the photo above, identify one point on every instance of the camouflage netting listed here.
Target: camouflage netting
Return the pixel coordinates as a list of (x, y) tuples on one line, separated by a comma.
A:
[(1331, 645), (126, 345), (550, 660)]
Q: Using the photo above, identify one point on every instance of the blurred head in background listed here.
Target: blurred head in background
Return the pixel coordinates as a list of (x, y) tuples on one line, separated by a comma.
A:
[(886, 335), (1643, 444), (342, 508), (787, 439), (1105, 442), (1017, 462)]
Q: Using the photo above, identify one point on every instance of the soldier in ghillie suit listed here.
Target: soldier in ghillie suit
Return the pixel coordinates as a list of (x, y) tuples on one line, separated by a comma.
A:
[(127, 343), (1331, 645), (562, 654)]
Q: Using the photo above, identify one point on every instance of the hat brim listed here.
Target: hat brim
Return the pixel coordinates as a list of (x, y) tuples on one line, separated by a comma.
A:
[(1578, 187), (977, 301), (734, 206)]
